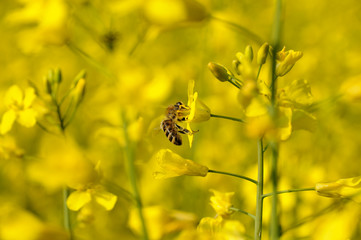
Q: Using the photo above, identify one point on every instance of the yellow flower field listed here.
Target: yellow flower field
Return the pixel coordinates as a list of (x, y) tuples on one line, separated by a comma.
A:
[(180, 119)]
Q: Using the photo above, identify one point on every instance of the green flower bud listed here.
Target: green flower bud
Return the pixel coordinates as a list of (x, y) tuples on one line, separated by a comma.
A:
[(220, 72), (262, 53), (57, 76)]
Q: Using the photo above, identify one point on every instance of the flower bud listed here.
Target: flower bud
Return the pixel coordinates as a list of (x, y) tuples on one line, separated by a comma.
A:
[(248, 52), (285, 60), (57, 76), (235, 65), (262, 53), (220, 72)]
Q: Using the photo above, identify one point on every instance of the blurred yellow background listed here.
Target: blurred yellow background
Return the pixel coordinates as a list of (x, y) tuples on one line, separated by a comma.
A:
[(139, 56)]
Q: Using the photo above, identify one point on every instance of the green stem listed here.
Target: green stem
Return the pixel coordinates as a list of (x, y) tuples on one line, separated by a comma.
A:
[(66, 216), (90, 60), (276, 39), (233, 175), (259, 199), (289, 191), (129, 155), (228, 118), (234, 83), (244, 212)]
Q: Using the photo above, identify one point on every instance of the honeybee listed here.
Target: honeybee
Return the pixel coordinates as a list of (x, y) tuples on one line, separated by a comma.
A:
[(169, 125)]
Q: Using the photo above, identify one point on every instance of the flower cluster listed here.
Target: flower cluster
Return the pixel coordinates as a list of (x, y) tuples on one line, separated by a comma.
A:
[(293, 99)]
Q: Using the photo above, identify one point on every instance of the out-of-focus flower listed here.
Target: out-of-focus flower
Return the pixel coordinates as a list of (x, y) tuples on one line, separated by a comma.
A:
[(292, 101), (160, 221), (50, 18), (285, 60), (93, 192), (62, 163), (221, 203), (170, 164), (90, 191), (221, 229), (8, 148), (342, 188), (20, 108), (169, 13), (351, 89), (18, 224)]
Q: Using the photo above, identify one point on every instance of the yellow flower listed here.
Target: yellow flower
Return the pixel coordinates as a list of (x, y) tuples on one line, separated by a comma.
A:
[(83, 196), (168, 13), (285, 60), (351, 89), (221, 203), (220, 229), (210, 225), (171, 164), (90, 191), (20, 108), (160, 221), (18, 224), (195, 111), (50, 20), (199, 112), (342, 188)]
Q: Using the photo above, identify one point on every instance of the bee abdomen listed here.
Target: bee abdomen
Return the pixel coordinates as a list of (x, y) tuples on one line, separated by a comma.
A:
[(171, 132)]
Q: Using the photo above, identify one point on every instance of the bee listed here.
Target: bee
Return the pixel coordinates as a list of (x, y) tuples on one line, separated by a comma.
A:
[(169, 125)]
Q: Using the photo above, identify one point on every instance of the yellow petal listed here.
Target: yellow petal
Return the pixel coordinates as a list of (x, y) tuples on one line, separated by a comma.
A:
[(7, 121), (256, 108), (78, 199), (221, 203), (190, 92), (14, 96), (342, 188), (284, 123), (29, 97), (104, 198), (27, 118), (209, 225), (190, 136), (170, 164)]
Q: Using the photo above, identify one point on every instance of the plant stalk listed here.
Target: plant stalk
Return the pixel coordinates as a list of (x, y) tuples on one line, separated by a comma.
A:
[(129, 155), (228, 118), (259, 199), (233, 175)]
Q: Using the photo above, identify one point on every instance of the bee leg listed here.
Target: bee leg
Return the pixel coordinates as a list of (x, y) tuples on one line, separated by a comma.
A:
[(184, 130)]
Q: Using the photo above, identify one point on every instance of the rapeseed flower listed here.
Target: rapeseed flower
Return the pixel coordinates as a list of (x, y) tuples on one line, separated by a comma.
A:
[(195, 111), (20, 108), (221, 203), (161, 221), (342, 188), (285, 60), (170, 164), (84, 195), (50, 20)]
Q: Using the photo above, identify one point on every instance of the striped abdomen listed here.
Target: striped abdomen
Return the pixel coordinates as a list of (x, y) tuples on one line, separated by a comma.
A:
[(171, 131)]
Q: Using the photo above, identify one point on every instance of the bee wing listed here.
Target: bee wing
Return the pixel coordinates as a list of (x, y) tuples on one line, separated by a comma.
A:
[(154, 127)]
